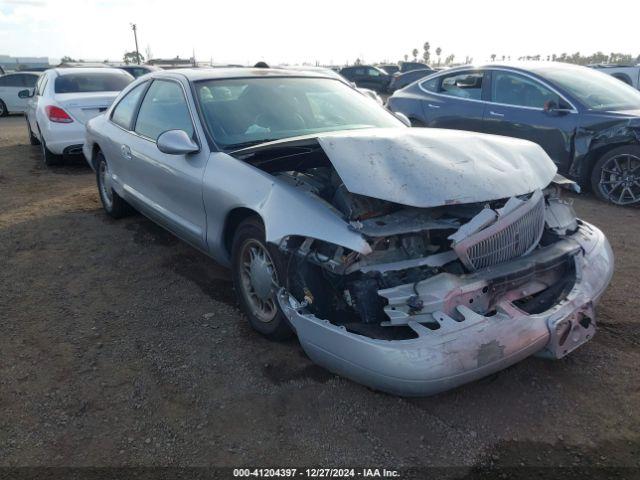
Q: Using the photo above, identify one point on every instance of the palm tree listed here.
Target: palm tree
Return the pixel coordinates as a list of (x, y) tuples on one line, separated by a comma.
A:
[(438, 52), (426, 55), (415, 54), (493, 57)]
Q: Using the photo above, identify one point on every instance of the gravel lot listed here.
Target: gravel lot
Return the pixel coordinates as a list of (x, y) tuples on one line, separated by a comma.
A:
[(122, 345)]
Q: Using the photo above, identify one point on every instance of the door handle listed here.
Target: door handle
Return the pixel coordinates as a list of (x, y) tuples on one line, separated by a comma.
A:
[(431, 105), (126, 152), (496, 114)]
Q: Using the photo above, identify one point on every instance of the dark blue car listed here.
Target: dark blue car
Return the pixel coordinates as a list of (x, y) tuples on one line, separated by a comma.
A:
[(587, 122)]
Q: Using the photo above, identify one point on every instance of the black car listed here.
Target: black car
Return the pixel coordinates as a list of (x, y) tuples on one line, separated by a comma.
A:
[(407, 78), (409, 66), (390, 69), (367, 76), (587, 122), (138, 70)]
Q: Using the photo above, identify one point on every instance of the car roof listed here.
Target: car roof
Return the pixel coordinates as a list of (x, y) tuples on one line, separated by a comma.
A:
[(23, 71), (526, 67), (70, 70), (196, 74)]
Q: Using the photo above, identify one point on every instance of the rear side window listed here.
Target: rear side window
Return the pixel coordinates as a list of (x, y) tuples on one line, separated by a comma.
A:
[(431, 85), (123, 113), (30, 80), (12, 81), (42, 84), (463, 85), (164, 108), (91, 82)]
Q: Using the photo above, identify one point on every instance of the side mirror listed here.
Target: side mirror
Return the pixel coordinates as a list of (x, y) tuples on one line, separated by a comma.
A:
[(552, 108), (26, 93), (403, 118), (176, 142)]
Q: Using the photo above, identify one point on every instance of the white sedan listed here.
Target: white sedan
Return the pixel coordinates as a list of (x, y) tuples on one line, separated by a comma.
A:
[(10, 86), (63, 101)]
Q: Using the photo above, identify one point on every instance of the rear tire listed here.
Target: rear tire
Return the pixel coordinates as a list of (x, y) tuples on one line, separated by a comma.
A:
[(615, 178), (112, 203), (3, 109), (256, 270), (50, 159), (33, 140)]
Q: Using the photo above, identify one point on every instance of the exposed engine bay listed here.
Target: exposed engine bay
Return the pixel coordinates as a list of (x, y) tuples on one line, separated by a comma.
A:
[(424, 262)]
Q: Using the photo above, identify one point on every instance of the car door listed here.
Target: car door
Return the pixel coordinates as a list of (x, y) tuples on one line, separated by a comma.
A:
[(29, 81), (455, 100), (10, 85), (522, 106), (32, 102), (167, 187)]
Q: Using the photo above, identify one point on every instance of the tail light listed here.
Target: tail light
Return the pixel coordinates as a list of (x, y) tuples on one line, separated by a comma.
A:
[(58, 115)]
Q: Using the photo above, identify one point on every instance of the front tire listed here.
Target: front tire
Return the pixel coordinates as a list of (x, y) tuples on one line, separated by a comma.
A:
[(615, 178), (257, 269), (112, 203)]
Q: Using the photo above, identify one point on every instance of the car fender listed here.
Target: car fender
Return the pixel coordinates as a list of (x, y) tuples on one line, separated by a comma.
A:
[(593, 141), (230, 184)]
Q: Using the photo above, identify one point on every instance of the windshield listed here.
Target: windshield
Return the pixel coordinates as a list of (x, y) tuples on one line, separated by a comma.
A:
[(597, 90), (245, 111), (92, 82)]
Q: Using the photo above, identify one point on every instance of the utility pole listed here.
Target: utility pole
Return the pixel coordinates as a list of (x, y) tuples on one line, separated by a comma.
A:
[(135, 36)]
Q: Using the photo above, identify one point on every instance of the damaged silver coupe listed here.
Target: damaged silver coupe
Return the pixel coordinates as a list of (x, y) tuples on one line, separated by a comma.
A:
[(409, 260)]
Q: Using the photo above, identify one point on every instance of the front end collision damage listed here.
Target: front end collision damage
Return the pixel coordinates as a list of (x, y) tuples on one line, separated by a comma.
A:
[(414, 291), (466, 345)]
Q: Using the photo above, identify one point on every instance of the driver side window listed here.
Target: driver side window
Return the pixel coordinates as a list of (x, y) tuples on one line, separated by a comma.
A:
[(164, 108), (513, 89)]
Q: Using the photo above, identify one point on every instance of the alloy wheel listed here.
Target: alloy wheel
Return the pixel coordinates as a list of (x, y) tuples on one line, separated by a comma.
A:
[(620, 179), (105, 185)]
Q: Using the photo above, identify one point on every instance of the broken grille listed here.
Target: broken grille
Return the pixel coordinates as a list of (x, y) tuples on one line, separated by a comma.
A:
[(511, 236)]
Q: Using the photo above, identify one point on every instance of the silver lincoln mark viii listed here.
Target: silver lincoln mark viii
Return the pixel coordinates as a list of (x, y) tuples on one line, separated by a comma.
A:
[(410, 260)]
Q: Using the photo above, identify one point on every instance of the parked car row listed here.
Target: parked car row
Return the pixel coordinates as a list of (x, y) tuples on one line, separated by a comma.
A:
[(586, 121), (386, 78)]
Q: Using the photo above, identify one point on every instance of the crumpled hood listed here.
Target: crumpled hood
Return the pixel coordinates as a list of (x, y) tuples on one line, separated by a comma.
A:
[(425, 167)]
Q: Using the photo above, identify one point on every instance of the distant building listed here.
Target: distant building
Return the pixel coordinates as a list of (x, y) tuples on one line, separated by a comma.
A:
[(9, 63), (177, 62)]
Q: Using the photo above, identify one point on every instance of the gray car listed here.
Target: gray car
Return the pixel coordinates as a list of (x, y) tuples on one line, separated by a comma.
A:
[(410, 260)]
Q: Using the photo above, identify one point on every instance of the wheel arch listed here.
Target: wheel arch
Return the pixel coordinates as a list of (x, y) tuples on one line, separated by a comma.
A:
[(592, 157), (94, 152), (232, 221)]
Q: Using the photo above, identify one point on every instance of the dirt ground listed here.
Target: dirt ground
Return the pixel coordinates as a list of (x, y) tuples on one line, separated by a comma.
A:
[(121, 345)]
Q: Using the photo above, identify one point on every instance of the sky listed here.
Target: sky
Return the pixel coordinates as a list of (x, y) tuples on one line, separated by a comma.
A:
[(325, 31)]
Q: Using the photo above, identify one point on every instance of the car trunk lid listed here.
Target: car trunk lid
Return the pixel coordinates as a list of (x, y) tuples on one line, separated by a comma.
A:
[(84, 106)]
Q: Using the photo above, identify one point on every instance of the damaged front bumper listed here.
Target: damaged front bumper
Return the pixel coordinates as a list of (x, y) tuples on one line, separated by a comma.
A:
[(467, 346)]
